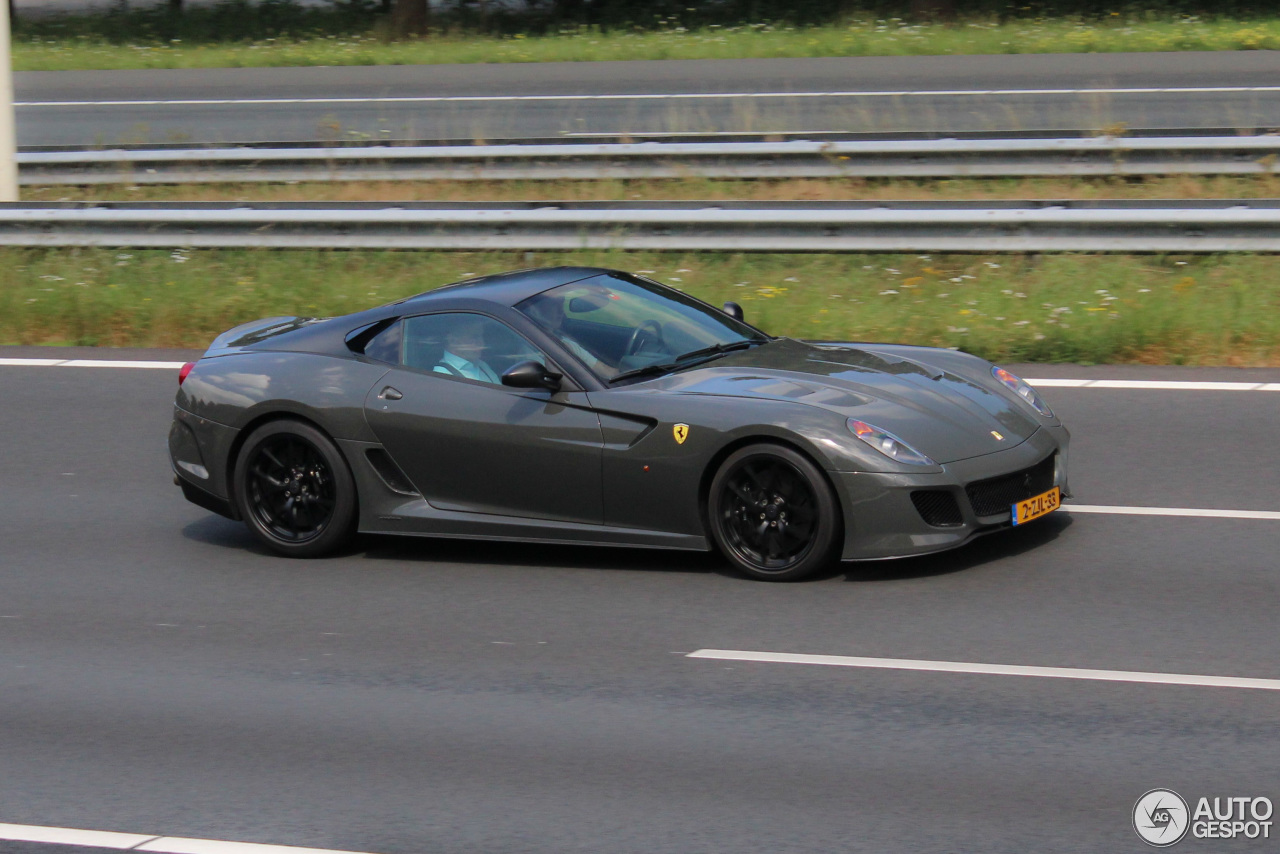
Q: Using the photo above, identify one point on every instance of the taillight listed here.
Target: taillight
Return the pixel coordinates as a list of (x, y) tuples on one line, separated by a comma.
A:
[(186, 369)]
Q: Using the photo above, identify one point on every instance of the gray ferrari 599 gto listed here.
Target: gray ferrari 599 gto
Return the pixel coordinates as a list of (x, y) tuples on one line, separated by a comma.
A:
[(578, 405)]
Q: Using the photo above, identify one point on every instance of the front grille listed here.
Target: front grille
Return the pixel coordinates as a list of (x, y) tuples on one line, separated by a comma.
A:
[(997, 494), (937, 507)]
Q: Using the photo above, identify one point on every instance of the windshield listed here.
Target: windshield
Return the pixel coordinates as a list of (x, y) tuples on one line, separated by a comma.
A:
[(621, 327)]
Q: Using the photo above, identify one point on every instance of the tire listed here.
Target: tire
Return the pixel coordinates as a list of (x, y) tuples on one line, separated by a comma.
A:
[(772, 514), (294, 490)]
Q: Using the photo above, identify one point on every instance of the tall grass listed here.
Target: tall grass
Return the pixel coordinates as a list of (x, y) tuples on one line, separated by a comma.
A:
[(280, 33), (1074, 308)]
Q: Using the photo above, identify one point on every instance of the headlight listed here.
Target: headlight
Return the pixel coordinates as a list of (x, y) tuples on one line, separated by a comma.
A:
[(1021, 389), (888, 444)]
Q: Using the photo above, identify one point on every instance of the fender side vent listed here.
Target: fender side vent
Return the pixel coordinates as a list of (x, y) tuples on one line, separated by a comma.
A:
[(937, 507), (396, 480)]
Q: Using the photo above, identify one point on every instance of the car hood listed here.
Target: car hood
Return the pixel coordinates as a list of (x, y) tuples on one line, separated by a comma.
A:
[(944, 415)]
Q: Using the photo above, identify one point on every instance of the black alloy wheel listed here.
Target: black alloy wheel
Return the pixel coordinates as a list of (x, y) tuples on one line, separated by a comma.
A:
[(294, 490), (772, 513)]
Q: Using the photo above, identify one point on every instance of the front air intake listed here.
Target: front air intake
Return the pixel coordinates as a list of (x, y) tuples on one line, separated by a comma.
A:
[(937, 507)]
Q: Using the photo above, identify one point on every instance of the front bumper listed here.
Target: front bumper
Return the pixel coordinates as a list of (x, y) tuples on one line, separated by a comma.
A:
[(881, 521)]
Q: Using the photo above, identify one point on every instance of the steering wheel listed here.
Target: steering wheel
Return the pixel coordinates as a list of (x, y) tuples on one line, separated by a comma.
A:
[(649, 327)]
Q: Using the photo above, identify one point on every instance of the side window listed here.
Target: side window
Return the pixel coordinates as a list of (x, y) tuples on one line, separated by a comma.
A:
[(385, 346), (461, 344)]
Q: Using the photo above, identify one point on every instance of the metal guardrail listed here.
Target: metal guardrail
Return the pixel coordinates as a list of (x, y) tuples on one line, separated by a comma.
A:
[(795, 158), (1175, 226)]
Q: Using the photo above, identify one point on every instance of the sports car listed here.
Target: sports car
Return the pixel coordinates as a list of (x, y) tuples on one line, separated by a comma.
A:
[(582, 405)]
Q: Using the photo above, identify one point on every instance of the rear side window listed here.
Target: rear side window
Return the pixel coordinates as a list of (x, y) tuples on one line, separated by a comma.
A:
[(385, 346)]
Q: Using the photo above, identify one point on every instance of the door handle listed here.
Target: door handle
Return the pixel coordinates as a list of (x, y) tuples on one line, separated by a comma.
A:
[(390, 393)]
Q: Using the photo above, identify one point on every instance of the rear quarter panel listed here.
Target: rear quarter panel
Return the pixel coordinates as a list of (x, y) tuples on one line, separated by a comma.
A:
[(235, 390)]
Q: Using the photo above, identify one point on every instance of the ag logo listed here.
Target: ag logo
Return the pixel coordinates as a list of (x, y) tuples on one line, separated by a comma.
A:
[(1161, 818), (681, 432)]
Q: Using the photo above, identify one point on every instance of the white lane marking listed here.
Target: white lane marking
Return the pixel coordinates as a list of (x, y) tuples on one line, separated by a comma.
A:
[(1044, 383), (22, 363), (1171, 385), (447, 99), (179, 845), (992, 669), (107, 363), (1194, 512), (90, 363), (146, 842), (70, 836)]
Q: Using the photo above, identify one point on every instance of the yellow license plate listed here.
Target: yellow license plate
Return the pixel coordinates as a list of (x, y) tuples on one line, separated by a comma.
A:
[(1034, 508)]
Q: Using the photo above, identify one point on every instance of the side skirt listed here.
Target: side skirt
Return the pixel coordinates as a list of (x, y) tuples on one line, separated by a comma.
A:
[(416, 517)]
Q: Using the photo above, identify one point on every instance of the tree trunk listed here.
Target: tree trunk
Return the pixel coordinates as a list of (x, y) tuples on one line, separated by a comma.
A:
[(409, 18)]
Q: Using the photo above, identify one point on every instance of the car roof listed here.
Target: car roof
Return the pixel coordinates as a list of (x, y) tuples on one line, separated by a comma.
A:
[(504, 288)]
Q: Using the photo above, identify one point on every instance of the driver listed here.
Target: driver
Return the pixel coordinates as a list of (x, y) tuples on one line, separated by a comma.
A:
[(549, 311), (464, 345)]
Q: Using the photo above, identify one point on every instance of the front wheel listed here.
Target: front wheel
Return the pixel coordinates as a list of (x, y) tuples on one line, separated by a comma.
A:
[(294, 489), (772, 513)]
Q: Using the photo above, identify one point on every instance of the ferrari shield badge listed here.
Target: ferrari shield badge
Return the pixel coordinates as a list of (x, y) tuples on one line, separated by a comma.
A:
[(681, 432)]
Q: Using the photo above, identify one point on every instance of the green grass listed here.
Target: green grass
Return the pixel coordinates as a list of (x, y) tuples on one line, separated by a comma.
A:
[(1071, 308), (104, 42)]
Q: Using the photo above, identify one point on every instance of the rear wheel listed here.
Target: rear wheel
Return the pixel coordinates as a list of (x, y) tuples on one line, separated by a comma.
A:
[(294, 489), (772, 513)]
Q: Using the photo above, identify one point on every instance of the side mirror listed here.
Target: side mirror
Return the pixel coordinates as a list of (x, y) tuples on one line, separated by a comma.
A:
[(531, 375), (733, 310)]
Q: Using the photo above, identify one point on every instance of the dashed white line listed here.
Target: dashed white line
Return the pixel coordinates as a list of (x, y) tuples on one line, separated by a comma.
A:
[(698, 96), (992, 669), (71, 836), (146, 842), (1194, 512), (1154, 385)]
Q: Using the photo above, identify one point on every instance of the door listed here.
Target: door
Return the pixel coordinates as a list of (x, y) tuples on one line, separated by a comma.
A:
[(471, 444)]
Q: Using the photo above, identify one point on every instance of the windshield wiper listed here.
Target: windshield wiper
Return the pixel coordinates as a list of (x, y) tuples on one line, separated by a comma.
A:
[(686, 360), (717, 350)]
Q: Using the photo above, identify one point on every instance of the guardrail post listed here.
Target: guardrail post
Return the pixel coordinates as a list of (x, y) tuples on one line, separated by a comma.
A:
[(8, 164)]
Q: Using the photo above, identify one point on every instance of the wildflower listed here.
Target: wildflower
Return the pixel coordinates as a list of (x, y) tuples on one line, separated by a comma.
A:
[(890, 291)]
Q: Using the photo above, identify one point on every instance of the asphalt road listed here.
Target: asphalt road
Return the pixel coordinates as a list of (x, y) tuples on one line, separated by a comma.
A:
[(879, 94), (160, 674)]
